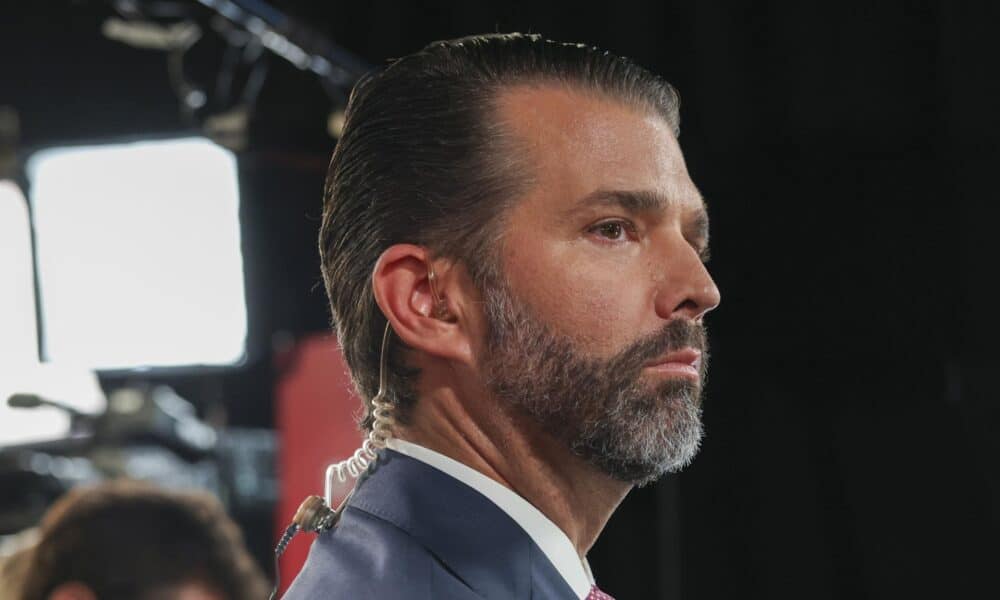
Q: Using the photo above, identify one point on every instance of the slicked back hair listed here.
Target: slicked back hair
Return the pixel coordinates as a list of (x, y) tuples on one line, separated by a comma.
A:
[(425, 159)]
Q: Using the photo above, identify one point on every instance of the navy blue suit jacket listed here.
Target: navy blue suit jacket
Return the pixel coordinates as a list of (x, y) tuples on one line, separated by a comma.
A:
[(413, 532)]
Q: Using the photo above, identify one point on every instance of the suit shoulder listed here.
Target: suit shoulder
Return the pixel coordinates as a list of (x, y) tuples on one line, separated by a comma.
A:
[(365, 556)]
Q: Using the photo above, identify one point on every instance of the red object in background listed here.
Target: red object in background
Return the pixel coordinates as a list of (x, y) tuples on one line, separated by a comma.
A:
[(316, 422)]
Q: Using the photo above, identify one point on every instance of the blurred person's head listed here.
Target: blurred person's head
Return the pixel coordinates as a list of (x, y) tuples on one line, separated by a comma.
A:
[(131, 541)]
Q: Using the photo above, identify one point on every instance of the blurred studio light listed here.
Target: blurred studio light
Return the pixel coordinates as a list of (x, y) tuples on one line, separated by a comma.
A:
[(18, 332), (138, 252)]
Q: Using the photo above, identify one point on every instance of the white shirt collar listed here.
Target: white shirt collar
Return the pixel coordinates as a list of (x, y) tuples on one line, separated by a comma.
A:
[(546, 534)]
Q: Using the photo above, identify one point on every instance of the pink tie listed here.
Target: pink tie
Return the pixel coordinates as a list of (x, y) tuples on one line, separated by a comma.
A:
[(597, 594)]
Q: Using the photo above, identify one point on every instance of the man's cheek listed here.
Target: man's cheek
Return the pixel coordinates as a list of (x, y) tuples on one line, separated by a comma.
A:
[(601, 322)]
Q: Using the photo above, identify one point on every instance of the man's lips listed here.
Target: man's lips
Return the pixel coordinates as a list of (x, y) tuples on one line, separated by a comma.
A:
[(685, 362)]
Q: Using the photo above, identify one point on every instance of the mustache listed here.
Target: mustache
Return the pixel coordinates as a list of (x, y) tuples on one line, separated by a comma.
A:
[(675, 335)]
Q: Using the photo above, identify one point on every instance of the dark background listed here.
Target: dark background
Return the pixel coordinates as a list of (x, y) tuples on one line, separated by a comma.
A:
[(849, 158)]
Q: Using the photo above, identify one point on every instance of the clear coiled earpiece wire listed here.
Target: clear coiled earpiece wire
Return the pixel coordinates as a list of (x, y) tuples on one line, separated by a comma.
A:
[(380, 433), (315, 513), (382, 414)]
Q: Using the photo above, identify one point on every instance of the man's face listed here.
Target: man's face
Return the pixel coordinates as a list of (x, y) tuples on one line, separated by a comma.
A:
[(597, 331)]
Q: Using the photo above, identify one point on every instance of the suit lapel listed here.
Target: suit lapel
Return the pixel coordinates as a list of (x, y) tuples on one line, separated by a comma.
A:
[(463, 529)]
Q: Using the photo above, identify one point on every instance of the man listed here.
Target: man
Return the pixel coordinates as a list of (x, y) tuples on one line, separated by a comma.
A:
[(519, 212), (130, 541)]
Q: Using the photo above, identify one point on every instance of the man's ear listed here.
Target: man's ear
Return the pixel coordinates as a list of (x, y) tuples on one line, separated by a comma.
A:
[(72, 590), (422, 305)]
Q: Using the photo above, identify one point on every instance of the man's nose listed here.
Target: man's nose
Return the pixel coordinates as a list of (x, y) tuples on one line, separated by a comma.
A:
[(687, 290)]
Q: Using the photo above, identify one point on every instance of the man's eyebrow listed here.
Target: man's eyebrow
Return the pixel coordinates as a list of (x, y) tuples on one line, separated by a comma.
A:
[(635, 201)]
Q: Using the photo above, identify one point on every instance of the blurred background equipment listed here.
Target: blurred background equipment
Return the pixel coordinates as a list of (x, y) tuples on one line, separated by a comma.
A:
[(62, 399), (125, 286), (244, 33), (143, 433)]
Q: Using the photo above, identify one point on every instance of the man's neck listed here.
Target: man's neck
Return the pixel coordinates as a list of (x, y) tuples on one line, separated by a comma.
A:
[(510, 449)]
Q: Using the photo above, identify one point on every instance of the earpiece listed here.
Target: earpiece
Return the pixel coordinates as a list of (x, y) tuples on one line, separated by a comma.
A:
[(440, 306)]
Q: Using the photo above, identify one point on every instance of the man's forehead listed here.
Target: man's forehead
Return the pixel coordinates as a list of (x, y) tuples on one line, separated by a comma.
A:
[(587, 147), (551, 111)]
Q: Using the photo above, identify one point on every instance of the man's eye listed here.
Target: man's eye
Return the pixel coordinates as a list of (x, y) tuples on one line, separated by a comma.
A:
[(611, 230)]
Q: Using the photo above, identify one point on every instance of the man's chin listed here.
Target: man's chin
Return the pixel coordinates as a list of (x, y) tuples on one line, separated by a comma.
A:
[(674, 390), (663, 436), (642, 473)]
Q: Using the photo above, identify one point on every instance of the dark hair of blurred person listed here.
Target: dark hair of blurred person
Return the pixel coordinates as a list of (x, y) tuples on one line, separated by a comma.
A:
[(130, 541)]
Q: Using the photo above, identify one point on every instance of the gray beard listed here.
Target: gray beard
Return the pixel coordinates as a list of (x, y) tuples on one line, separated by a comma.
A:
[(600, 408)]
